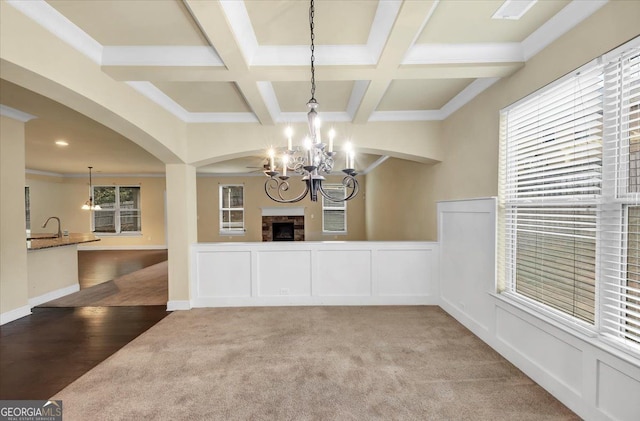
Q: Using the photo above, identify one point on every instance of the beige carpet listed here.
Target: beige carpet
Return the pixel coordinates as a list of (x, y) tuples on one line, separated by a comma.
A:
[(145, 287), (308, 363)]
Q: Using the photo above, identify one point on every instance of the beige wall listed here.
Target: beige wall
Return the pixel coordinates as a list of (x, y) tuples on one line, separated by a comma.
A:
[(63, 197), (470, 164), (397, 196), (52, 269), (13, 248), (256, 199)]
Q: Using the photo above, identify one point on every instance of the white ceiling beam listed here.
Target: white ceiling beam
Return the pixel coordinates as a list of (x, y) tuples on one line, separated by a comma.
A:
[(211, 19), (409, 22)]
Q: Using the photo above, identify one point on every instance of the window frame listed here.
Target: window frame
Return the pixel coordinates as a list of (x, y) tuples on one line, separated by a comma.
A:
[(615, 307), (117, 210), (230, 231), (340, 206)]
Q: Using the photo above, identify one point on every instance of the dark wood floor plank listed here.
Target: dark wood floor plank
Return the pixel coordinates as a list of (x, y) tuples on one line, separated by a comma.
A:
[(42, 353)]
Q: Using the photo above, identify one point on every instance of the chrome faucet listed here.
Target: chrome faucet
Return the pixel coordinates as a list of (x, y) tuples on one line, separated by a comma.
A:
[(59, 235)]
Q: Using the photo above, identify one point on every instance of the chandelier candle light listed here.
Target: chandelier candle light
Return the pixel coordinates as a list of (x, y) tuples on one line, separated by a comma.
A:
[(313, 158)]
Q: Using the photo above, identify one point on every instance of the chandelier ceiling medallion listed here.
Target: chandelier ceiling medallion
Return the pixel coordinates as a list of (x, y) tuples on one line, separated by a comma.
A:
[(312, 159)]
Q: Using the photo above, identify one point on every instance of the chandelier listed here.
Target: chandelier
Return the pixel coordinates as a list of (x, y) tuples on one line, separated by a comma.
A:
[(88, 205), (312, 160)]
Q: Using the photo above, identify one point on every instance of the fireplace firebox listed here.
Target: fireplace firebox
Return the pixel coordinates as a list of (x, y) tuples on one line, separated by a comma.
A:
[(282, 231)]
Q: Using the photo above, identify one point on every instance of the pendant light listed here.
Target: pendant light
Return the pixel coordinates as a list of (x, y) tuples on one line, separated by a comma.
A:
[(88, 205)]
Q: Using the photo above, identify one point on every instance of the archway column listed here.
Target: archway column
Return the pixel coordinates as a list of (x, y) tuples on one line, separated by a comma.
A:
[(182, 231)]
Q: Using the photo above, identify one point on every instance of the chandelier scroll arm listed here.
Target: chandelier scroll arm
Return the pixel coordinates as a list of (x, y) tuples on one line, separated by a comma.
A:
[(273, 183), (349, 182)]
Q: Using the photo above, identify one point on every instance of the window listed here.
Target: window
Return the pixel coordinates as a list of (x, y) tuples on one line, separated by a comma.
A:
[(570, 198), (232, 209), (334, 214), (120, 210), (27, 208)]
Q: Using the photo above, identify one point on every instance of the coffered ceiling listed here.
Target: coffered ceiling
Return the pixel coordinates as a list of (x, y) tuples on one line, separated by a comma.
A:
[(248, 61)]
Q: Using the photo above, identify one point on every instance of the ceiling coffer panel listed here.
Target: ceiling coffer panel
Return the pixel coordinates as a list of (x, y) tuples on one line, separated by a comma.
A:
[(469, 21), (133, 22), (331, 95), (427, 94), (205, 97), (336, 22)]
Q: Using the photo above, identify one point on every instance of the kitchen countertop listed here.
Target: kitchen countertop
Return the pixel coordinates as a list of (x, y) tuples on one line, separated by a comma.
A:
[(38, 243)]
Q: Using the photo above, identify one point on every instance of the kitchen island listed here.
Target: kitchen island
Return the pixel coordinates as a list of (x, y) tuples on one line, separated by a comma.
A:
[(52, 265)]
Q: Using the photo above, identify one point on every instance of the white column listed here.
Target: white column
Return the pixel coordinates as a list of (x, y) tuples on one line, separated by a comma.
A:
[(14, 297), (182, 231)]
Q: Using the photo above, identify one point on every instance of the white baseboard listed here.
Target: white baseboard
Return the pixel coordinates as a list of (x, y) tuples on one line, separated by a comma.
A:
[(15, 314), (142, 247), (53, 295), (178, 305), (292, 300)]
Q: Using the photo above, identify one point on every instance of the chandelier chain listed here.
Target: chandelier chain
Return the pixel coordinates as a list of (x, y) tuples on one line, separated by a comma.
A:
[(313, 58)]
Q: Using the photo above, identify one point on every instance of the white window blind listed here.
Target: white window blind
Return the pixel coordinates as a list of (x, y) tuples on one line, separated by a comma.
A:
[(334, 214), (570, 198), (620, 222), (552, 145)]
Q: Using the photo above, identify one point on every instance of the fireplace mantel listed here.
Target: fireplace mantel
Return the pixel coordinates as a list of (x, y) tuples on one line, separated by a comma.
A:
[(283, 211)]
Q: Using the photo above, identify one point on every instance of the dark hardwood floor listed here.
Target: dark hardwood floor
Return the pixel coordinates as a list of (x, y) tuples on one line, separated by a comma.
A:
[(42, 353)]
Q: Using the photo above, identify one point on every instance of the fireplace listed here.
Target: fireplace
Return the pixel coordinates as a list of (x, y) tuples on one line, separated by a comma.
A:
[(283, 228), (282, 231)]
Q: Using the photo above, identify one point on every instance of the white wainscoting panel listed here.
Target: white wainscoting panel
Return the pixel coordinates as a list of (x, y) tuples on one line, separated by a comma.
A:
[(224, 274), (468, 257), (314, 273), (541, 349), (342, 273), (284, 273), (618, 393), (595, 380), (396, 269)]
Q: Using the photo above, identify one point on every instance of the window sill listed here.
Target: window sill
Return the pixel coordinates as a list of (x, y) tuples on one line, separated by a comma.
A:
[(334, 232), (117, 234), (236, 233)]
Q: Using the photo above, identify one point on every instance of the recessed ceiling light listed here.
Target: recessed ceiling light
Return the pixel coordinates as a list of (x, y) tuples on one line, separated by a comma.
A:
[(513, 9), (62, 143)]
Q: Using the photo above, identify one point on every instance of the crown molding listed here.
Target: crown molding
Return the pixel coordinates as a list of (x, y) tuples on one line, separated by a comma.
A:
[(9, 112), (160, 55), (466, 95), (98, 175), (561, 23), (45, 173), (150, 91), (375, 164), (407, 115), (505, 52), (49, 18)]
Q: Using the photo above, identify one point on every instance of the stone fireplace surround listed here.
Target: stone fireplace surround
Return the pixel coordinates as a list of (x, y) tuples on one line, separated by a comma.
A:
[(279, 215)]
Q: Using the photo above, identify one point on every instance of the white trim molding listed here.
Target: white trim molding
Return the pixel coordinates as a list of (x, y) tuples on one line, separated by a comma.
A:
[(53, 295), (283, 211), (15, 314), (178, 305), (9, 112)]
